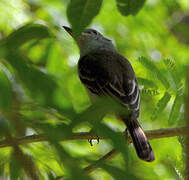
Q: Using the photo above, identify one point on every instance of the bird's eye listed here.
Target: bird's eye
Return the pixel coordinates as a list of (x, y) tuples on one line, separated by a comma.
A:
[(91, 31), (95, 32)]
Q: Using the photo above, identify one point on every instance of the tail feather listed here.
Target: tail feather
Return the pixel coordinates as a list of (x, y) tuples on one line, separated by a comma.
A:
[(140, 141)]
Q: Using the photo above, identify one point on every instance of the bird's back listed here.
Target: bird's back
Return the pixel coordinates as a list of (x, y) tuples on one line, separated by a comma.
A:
[(106, 72)]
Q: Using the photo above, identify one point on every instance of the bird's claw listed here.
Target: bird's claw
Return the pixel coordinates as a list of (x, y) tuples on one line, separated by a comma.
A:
[(91, 140), (98, 140)]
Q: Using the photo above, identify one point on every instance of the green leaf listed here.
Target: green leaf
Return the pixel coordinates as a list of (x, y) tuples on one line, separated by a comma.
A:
[(117, 139), (38, 84), (4, 126), (23, 35), (5, 89), (176, 108), (117, 173), (161, 105), (98, 110), (51, 176), (15, 168), (72, 164), (26, 162), (171, 67), (54, 132), (46, 54), (152, 67), (94, 115), (149, 92), (81, 13), (129, 7), (146, 83)]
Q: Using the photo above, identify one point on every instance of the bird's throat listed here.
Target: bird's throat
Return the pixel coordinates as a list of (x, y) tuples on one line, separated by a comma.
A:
[(93, 45)]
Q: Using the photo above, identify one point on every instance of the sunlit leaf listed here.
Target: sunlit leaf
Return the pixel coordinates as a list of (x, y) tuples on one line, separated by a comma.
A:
[(171, 67), (38, 84), (72, 164), (54, 132), (175, 111), (146, 83), (173, 167), (152, 67), (4, 125), (23, 35), (94, 115), (119, 142), (129, 7), (46, 54), (149, 92), (5, 89), (26, 162), (2, 166), (81, 13), (98, 110), (161, 105), (51, 176), (15, 168), (118, 173)]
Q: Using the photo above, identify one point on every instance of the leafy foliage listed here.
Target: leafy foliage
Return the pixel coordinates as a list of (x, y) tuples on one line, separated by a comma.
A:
[(6, 90), (39, 84), (152, 67), (23, 35), (40, 92), (176, 109), (171, 67), (127, 7), (161, 105), (81, 12)]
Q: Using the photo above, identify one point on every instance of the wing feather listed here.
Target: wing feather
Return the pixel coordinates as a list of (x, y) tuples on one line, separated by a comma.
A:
[(103, 75)]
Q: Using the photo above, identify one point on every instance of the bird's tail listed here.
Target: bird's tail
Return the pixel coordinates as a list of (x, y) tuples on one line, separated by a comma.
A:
[(140, 141)]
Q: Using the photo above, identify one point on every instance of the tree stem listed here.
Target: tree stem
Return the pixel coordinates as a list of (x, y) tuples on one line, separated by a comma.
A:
[(151, 134)]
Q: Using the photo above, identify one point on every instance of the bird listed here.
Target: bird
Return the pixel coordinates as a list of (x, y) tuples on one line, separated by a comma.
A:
[(105, 72)]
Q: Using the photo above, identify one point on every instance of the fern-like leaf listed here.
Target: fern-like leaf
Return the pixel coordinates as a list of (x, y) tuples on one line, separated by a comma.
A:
[(171, 67), (149, 92), (176, 108), (152, 67), (161, 105), (146, 83)]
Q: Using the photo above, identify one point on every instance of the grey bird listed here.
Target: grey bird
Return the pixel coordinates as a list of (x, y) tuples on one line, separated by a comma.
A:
[(104, 72)]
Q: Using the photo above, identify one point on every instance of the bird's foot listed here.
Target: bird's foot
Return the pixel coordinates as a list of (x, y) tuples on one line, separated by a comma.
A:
[(91, 140)]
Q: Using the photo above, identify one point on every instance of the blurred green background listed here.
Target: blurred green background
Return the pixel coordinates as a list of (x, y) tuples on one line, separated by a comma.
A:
[(40, 89)]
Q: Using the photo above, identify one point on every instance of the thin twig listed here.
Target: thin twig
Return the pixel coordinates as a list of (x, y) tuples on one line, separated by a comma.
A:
[(166, 132), (151, 134), (106, 157)]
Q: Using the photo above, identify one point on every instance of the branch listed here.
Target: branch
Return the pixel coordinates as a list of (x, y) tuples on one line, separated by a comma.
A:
[(151, 134)]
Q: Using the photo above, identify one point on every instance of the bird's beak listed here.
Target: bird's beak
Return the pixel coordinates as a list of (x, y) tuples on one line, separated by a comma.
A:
[(69, 30)]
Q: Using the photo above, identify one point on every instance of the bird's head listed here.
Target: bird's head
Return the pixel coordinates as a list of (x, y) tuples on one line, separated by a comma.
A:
[(91, 40)]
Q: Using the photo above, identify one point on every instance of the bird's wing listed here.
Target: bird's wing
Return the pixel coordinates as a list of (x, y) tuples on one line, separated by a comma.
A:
[(108, 73)]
